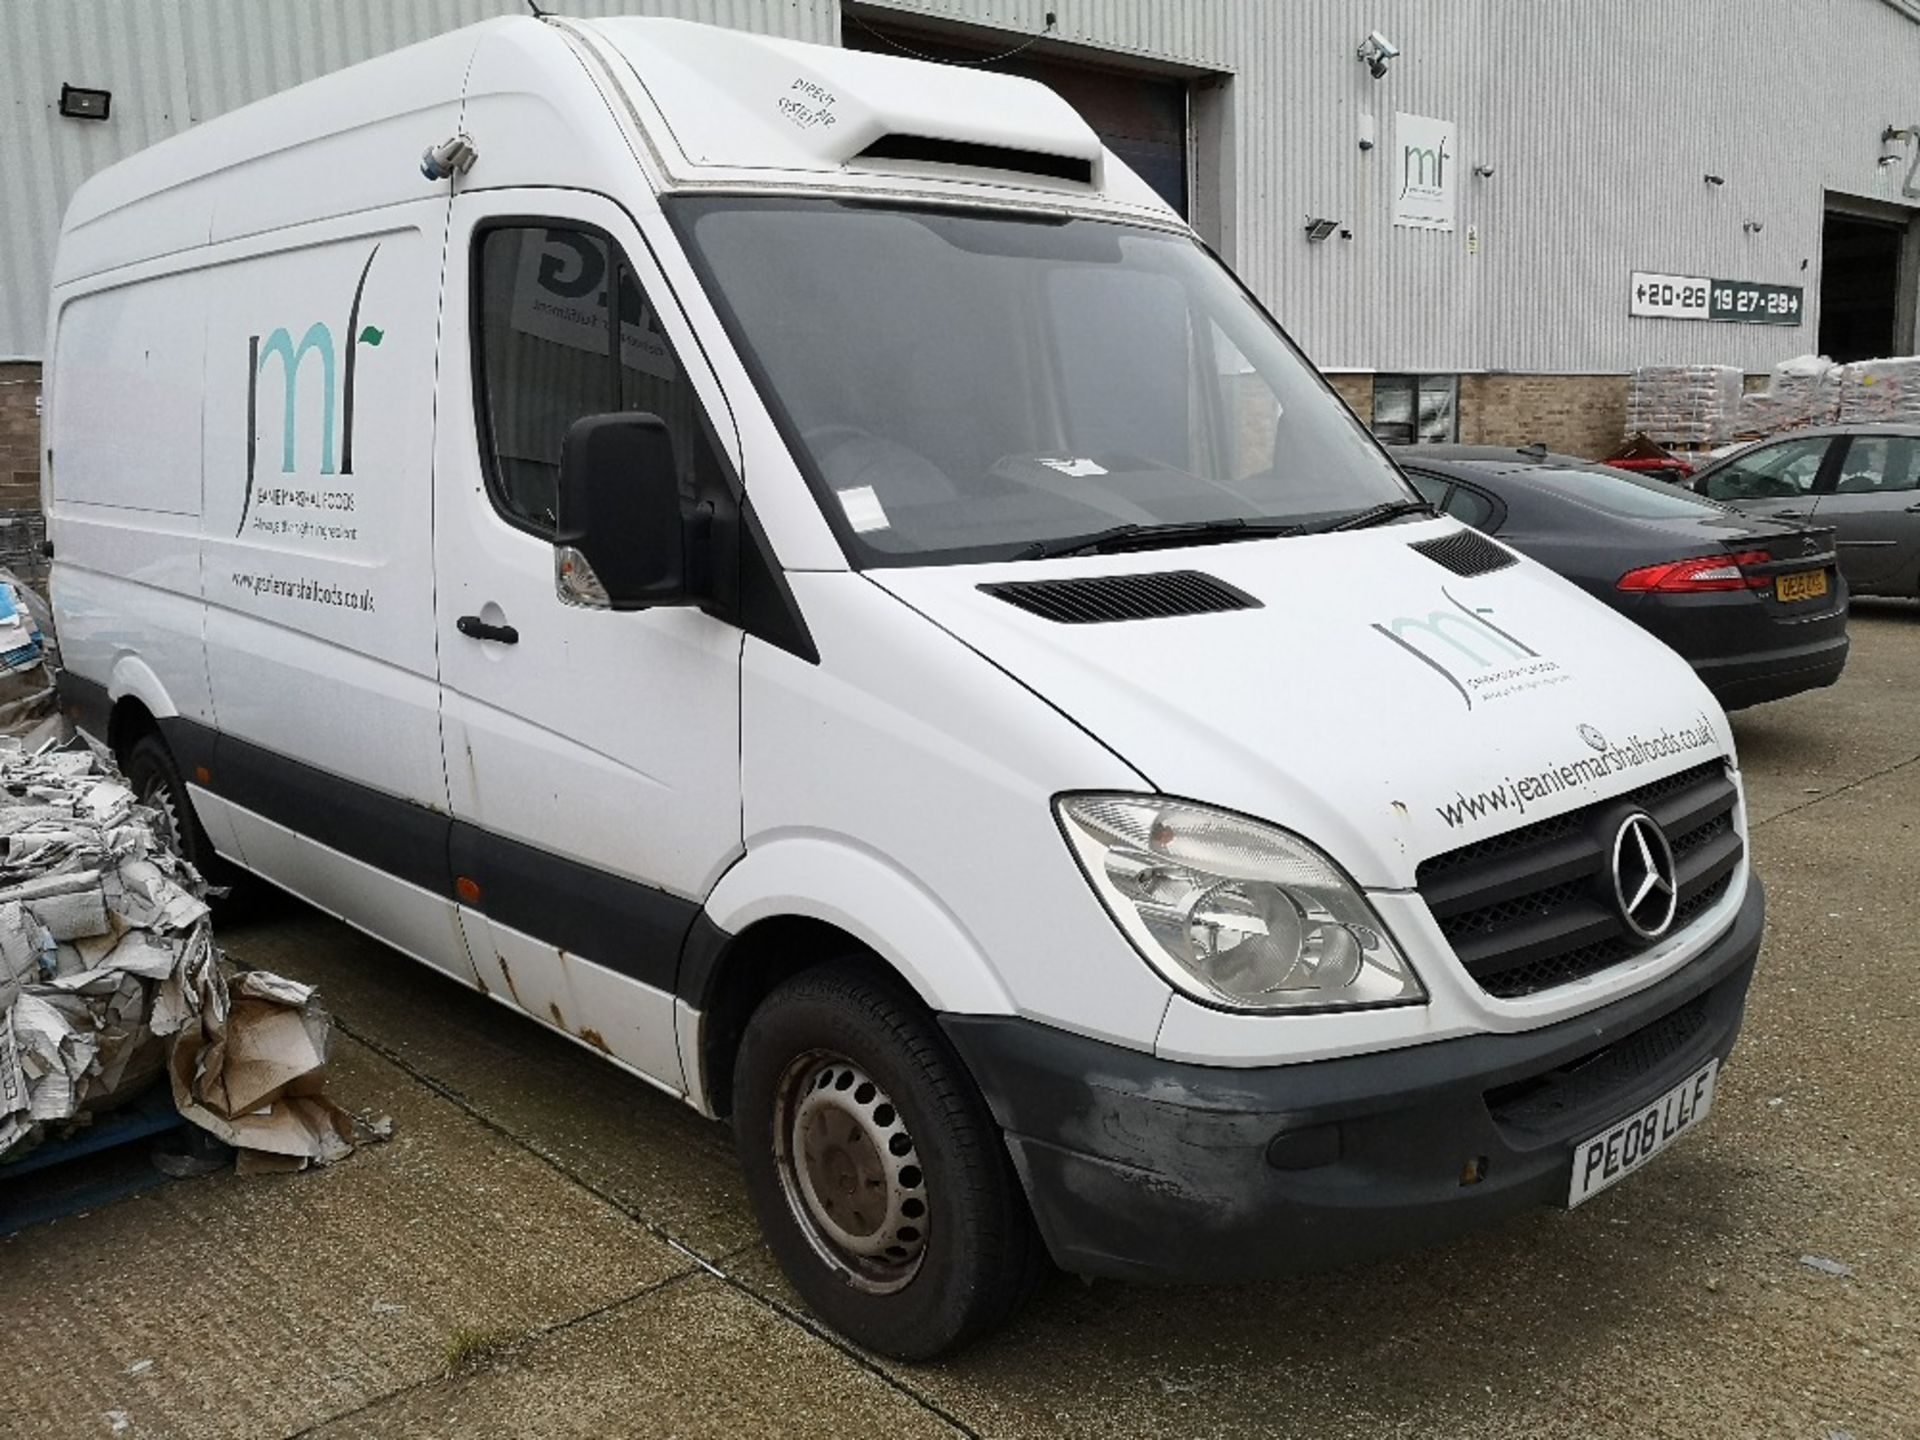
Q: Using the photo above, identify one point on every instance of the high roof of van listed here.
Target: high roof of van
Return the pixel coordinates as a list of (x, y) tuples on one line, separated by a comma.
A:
[(575, 103), (728, 104)]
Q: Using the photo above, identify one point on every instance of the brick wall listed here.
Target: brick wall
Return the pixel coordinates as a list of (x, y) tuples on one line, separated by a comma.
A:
[(19, 438), (1573, 414), (1357, 391), (20, 525)]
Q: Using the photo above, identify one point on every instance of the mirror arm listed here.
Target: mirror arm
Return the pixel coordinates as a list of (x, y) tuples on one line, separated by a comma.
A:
[(699, 541)]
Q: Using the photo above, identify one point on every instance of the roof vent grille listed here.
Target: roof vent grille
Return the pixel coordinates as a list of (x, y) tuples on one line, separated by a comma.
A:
[(1465, 552), (1099, 599), (979, 157)]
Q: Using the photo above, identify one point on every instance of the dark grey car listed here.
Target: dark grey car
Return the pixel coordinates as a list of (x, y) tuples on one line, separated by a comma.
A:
[(1862, 481), (1753, 603)]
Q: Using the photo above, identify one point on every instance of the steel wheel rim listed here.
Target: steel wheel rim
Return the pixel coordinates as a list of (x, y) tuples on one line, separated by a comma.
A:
[(850, 1172)]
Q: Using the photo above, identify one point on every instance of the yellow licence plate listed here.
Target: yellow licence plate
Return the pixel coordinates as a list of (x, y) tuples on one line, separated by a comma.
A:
[(1807, 585)]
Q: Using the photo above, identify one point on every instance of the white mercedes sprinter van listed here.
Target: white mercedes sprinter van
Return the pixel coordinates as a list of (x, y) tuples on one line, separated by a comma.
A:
[(796, 570)]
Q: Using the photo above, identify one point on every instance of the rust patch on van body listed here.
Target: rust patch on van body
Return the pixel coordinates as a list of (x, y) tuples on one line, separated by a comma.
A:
[(594, 1038)]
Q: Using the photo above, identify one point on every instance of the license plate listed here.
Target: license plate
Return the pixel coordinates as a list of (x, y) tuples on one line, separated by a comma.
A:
[(1806, 585), (1621, 1149)]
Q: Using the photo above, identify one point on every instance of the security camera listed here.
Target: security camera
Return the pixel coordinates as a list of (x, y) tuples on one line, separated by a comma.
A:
[(1375, 51)]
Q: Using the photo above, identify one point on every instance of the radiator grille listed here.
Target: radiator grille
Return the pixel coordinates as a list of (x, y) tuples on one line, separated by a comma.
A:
[(1530, 909)]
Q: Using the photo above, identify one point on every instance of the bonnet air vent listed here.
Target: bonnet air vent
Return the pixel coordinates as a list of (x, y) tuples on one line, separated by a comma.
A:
[(980, 157), (1465, 552), (1123, 597)]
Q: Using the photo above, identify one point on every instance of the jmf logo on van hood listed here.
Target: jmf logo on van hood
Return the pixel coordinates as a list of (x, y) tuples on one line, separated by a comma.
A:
[(1479, 659)]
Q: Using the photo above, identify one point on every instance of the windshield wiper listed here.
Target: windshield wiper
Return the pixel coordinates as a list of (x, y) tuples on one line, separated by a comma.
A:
[(1141, 535), (1377, 515)]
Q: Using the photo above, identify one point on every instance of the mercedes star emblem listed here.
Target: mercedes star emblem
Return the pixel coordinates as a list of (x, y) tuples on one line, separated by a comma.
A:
[(1644, 884)]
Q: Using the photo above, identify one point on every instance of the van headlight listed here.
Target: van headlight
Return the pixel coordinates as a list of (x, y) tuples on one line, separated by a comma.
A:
[(1234, 912)]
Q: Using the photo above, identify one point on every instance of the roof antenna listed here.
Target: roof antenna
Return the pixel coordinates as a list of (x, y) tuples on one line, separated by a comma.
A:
[(538, 13), (1053, 21)]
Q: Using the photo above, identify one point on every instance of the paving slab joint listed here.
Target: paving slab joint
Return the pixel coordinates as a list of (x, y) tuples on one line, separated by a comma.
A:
[(699, 1262)]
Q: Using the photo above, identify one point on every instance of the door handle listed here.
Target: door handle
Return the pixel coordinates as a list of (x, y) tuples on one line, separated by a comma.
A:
[(475, 628), (1793, 514)]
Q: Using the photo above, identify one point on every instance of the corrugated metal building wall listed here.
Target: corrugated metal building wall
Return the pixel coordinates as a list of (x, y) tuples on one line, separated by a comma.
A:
[(1599, 121), (170, 63)]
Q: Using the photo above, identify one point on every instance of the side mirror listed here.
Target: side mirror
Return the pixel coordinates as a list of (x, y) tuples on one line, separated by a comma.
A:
[(623, 537)]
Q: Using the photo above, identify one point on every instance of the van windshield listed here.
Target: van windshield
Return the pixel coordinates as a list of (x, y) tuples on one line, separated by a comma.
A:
[(985, 385)]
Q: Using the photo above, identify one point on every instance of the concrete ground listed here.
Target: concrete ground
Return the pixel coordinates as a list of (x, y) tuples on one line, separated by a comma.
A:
[(576, 1248)]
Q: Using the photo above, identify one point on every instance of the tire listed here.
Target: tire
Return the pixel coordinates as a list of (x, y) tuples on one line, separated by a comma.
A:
[(846, 1091), (156, 782)]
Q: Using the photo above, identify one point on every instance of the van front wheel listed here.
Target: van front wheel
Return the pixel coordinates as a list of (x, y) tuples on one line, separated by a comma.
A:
[(155, 781), (879, 1177)]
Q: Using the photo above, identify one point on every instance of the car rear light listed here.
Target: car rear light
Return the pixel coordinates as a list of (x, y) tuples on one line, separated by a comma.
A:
[(1703, 572)]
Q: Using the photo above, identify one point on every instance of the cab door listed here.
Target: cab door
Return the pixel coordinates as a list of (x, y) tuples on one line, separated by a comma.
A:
[(592, 755), (1873, 506), (1781, 480)]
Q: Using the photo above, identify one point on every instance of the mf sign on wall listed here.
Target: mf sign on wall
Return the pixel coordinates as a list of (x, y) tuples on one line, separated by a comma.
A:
[(1427, 182)]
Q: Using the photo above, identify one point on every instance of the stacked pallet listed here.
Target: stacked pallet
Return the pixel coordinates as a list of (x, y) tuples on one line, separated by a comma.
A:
[(1802, 391), (1684, 404), (1812, 390), (110, 979), (1880, 392), (93, 913)]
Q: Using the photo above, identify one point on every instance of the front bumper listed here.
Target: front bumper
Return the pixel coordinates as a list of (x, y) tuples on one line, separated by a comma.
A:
[(1151, 1169)]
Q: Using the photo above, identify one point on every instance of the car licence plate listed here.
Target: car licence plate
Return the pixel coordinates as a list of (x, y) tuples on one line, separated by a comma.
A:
[(1805, 585), (1621, 1149)]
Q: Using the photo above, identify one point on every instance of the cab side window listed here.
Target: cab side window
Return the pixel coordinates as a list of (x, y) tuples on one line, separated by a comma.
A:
[(1876, 463), (1769, 472), (1470, 507), (1467, 506), (1432, 488), (563, 330)]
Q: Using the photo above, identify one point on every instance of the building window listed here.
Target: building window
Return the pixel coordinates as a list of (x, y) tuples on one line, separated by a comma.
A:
[(1416, 409)]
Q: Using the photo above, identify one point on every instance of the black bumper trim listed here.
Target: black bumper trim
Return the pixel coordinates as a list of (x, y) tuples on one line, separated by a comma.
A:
[(634, 929), (1738, 681), (1152, 1169)]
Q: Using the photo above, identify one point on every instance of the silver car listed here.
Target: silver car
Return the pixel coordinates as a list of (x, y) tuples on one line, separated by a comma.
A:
[(1863, 481)]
